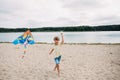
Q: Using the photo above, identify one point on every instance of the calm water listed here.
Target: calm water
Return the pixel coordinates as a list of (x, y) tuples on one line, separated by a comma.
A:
[(70, 37)]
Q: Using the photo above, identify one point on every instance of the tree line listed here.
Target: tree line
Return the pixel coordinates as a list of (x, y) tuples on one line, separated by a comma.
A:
[(67, 29)]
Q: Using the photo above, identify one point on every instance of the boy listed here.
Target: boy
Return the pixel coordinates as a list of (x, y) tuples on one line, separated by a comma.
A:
[(57, 52)]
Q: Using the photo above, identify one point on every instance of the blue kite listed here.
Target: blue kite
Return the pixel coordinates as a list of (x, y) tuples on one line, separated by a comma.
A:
[(24, 39)]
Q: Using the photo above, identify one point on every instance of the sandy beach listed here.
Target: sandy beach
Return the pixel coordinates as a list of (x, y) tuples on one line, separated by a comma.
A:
[(79, 62)]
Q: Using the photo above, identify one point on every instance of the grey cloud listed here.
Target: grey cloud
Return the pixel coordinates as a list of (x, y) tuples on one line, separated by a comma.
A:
[(66, 22), (110, 19), (31, 23), (43, 13), (79, 4), (9, 6)]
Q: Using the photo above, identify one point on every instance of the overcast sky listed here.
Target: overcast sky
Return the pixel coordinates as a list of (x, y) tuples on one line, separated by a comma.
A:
[(52, 13)]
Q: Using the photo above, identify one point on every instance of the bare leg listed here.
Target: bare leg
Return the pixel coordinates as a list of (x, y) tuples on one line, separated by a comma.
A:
[(22, 57), (58, 69), (55, 67)]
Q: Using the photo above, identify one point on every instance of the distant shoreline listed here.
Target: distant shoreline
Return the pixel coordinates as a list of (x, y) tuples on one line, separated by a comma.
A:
[(65, 28), (73, 43), (60, 31)]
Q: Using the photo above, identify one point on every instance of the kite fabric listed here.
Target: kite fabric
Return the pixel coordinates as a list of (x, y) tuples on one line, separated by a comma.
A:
[(24, 39)]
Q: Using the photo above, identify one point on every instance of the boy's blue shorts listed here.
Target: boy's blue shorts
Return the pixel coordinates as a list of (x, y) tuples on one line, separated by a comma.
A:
[(57, 60)]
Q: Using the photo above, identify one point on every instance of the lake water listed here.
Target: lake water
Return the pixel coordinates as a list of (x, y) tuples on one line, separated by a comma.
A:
[(70, 37)]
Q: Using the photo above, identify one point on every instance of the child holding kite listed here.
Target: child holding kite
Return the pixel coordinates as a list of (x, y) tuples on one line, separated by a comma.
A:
[(57, 53)]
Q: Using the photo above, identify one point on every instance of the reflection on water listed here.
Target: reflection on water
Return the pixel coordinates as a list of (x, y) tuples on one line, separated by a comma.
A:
[(70, 37)]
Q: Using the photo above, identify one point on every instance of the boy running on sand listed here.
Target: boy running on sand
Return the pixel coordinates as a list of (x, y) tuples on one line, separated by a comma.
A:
[(57, 52)]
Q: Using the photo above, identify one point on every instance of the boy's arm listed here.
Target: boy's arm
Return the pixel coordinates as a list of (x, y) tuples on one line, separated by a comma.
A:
[(51, 51), (62, 42)]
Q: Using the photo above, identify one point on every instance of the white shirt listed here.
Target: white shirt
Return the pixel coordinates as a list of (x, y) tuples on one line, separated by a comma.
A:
[(57, 50)]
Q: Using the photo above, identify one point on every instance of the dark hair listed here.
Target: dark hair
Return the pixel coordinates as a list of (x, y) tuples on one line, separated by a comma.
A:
[(56, 38)]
